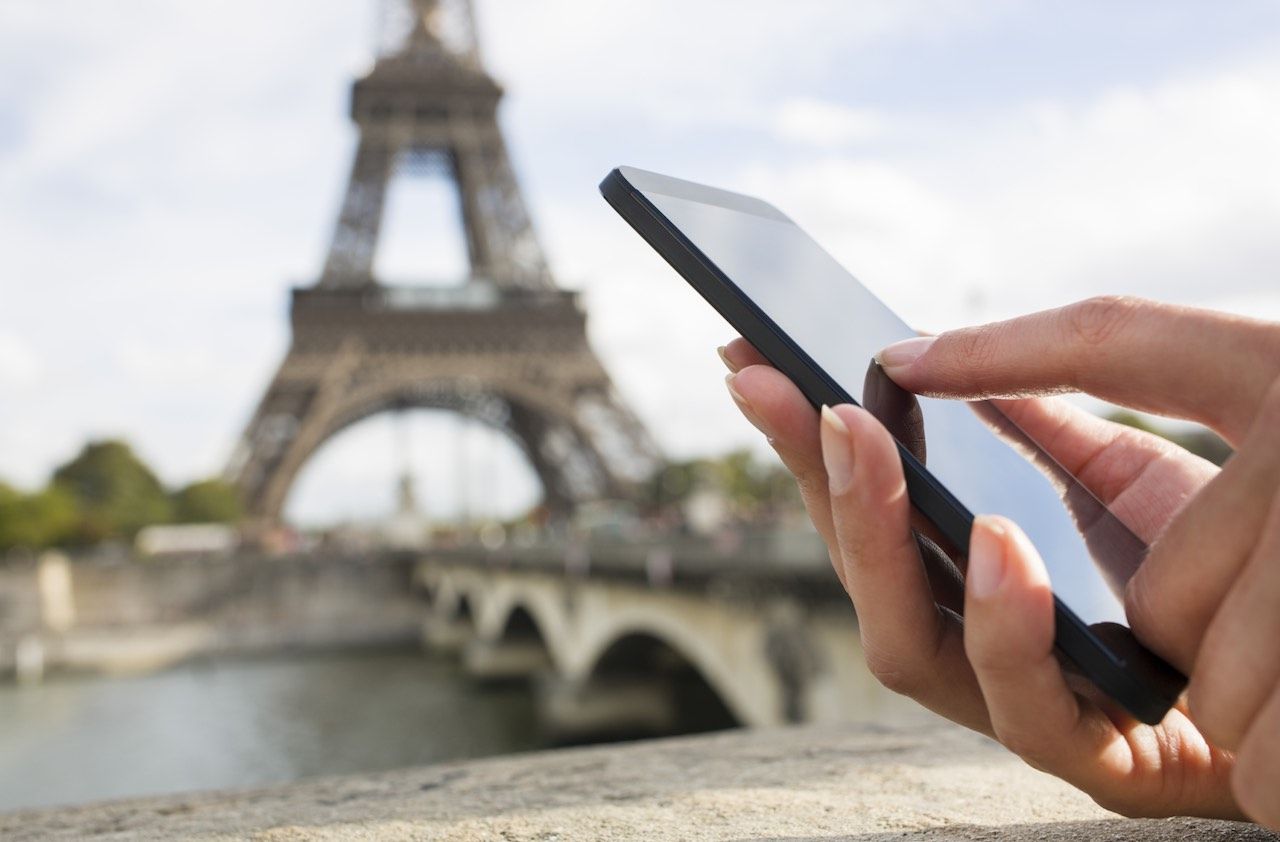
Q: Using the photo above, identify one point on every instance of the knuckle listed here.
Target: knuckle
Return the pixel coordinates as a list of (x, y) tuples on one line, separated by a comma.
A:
[(1026, 746), (1096, 321), (892, 672)]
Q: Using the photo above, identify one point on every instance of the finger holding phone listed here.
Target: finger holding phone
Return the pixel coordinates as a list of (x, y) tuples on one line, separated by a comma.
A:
[(994, 671), (1208, 596)]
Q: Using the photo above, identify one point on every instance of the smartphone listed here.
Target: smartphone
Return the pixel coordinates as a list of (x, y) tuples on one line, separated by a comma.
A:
[(822, 328)]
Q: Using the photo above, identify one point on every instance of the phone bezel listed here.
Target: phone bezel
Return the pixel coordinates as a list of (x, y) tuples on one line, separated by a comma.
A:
[(1141, 682)]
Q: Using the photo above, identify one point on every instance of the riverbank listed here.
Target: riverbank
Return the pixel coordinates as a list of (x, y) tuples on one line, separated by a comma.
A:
[(144, 616), (934, 782)]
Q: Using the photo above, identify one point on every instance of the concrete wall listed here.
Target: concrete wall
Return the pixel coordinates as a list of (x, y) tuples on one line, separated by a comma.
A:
[(19, 599), (144, 615)]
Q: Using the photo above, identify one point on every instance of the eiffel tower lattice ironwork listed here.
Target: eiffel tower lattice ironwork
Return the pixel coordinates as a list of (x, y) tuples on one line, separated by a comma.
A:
[(505, 346)]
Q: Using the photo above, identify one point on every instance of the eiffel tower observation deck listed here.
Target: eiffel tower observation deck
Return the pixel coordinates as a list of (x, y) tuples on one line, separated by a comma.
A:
[(503, 345)]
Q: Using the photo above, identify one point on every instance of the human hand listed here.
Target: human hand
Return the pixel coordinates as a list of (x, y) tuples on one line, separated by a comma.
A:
[(996, 672), (1208, 597)]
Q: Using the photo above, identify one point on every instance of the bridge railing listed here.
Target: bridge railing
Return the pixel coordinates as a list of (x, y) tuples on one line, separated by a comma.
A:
[(663, 559)]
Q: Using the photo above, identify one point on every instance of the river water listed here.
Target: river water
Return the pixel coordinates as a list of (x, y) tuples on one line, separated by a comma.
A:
[(239, 723)]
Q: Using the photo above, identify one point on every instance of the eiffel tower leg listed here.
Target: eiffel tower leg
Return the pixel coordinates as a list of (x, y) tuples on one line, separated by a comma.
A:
[(355, 238), (292, 420), (500, 234), (617, 435), (565, 460)]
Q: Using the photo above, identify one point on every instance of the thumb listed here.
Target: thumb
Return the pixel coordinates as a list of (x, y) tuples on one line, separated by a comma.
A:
[(1009, 623), (1008, 636)]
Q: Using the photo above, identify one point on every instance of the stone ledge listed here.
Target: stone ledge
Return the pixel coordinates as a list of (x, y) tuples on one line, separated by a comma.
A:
[(933, 782)]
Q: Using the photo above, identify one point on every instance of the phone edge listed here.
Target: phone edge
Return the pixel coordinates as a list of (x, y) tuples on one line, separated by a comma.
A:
[(1073, 637)]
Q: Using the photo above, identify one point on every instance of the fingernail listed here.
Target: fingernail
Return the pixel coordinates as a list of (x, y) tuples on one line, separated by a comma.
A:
[(837, 451), (734, 393), (986, 557), (900, 355), (724, 359), (744, 405)]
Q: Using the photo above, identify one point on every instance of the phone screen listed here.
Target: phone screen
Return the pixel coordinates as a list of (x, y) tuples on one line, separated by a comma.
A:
[(988, 463)]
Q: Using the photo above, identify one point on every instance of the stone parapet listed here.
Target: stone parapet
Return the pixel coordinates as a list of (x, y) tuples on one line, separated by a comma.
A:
[(934, 782)]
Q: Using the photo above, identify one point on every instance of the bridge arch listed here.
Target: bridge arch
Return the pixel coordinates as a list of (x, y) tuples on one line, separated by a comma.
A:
[(722, 642), (696, 704), (702, 652), (503, 609), (521, 627), (464, 610)]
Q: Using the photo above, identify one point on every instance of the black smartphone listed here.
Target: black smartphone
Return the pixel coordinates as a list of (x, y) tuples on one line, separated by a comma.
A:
[(818, 325)]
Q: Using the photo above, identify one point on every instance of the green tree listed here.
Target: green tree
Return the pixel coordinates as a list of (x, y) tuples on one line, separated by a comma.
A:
[(115, 492), (672, 483), (207, 501), (45, 518), (752, 486)]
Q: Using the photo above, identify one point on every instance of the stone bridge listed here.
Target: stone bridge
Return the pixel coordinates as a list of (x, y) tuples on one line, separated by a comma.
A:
[(656, 639), (654, 635)]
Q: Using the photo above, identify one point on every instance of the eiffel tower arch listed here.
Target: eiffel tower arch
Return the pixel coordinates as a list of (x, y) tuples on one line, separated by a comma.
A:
[(504, 346)]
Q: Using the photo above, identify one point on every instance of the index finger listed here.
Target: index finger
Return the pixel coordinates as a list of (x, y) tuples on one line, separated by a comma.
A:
[(1201, 365)]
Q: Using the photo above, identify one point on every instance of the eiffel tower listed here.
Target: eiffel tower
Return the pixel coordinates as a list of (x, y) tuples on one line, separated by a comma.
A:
[(504, 345)]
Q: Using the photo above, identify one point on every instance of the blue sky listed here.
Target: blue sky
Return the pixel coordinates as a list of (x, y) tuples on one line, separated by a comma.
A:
[(169, 168)]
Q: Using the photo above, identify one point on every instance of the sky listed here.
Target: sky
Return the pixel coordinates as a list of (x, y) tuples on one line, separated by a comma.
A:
[(170, 168)]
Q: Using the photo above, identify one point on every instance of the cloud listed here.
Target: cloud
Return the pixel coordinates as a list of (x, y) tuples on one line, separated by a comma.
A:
[(19, 364), (811, 121), (168, 170), (1169, 192), (158, 194)]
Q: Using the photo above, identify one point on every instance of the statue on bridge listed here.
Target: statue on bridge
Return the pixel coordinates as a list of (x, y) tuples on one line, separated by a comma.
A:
[(505, 345)]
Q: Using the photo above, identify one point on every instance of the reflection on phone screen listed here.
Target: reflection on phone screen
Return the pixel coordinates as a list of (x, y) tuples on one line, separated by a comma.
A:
[(986, 460)]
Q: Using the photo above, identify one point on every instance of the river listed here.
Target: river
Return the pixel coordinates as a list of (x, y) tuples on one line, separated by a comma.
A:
[(247, 722)]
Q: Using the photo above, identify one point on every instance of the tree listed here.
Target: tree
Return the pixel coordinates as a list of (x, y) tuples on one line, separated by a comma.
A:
[(753, 487), (672, 484), (114, 491), (207, 501), (33, 521)]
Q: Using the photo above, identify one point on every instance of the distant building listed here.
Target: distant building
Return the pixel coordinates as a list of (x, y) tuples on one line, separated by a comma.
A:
[(187, 539)]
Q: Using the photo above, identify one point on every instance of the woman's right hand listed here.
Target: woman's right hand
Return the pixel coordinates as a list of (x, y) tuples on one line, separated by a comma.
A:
[(1207, 598), (993, 677)]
